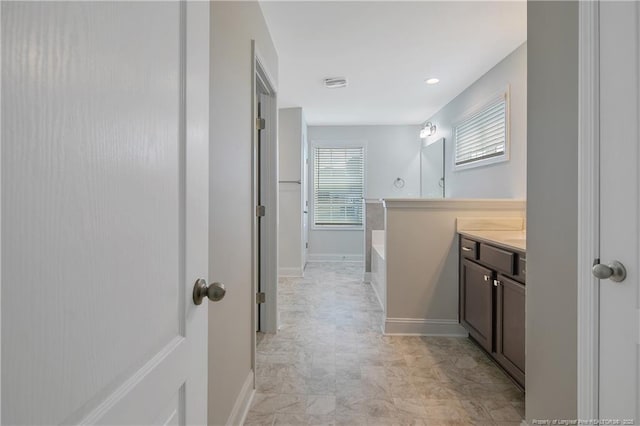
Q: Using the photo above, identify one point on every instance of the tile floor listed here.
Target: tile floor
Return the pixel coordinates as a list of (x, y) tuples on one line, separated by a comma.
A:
[(331, 365)]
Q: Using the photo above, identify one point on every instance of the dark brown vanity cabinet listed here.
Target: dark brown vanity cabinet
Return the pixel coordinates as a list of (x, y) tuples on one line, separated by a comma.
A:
[(476, 302), (492, 302), (510, 306)]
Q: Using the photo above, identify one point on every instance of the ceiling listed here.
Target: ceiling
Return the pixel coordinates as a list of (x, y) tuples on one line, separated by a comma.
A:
[(386, 50)]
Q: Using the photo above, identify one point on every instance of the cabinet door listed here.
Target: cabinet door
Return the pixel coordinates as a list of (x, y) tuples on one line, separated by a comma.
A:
[(476, 302), (510, 331)]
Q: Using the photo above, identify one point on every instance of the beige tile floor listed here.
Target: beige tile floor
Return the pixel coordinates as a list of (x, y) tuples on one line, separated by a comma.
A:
[(331, 365)]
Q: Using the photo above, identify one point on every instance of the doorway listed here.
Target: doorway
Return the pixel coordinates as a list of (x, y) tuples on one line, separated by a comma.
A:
[(265, 184)]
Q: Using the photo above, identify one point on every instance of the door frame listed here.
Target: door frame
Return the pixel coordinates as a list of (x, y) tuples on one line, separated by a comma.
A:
[(269, 151), (588, 209), (0, 219)]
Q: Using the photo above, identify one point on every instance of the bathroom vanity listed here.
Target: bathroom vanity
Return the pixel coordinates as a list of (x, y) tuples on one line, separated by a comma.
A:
[(492, 292)]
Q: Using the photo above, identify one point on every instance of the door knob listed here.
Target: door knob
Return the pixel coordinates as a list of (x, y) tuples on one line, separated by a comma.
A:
[(215, 292), (615, 271)]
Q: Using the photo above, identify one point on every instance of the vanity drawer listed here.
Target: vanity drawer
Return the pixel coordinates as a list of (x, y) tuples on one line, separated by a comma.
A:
[(468, 248), (503, 260)]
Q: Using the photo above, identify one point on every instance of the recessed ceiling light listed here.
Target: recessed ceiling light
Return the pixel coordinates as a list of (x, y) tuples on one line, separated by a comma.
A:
[(432, 80)]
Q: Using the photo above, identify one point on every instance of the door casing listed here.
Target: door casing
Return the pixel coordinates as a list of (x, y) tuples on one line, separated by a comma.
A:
[(588, 206), (590, 290), (265, 248)]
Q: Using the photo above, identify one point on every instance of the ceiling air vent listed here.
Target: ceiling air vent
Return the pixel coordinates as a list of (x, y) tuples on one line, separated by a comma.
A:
[(335, 82)]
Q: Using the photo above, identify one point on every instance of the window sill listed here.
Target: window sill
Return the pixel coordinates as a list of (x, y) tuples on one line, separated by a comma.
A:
[(336, 228), (481, 163)]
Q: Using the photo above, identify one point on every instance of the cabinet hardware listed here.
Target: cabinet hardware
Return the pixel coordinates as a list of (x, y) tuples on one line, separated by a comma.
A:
[(466, 249), (496, 283), (487, 277)]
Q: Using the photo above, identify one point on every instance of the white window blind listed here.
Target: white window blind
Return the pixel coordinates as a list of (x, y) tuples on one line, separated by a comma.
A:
[(483, 135), (338, 186)]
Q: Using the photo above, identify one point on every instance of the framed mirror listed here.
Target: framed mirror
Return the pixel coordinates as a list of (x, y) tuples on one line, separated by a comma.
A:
[(432, 182)]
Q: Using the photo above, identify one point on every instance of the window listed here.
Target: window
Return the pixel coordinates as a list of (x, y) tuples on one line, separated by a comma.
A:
[(338, 186), (482, 137)]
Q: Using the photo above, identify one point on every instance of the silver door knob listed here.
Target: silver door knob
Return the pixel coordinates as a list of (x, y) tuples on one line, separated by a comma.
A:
[(215, 292), (615, 271)]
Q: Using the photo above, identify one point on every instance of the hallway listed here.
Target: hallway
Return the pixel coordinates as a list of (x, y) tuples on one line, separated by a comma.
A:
[(331, 365)]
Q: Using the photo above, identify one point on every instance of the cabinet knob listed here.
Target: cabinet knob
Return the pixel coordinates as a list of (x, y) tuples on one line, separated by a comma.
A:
[(487, 278), (496, 283)]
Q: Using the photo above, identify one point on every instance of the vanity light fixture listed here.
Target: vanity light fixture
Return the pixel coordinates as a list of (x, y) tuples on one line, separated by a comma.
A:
[(432, 80), (429, 129)]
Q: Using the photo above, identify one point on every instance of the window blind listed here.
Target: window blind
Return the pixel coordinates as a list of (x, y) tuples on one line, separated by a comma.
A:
[(482, 135), (338, 186)]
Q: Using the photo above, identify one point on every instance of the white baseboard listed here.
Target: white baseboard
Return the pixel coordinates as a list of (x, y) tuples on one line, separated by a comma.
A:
[(291, 272), (243, 402), (423, 327), (366, 277), (316, 257)]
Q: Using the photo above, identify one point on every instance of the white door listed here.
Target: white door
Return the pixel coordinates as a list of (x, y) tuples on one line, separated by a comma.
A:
[(619, 211), (305, 197), (104, 212)]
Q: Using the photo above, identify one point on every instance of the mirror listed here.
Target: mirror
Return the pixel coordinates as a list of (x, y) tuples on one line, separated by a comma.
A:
[(432, 169)]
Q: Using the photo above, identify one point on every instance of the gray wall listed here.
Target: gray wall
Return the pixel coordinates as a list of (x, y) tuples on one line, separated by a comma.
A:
[(291, 137), (390, 152), (500, 180), (233, 25), (552, 209)]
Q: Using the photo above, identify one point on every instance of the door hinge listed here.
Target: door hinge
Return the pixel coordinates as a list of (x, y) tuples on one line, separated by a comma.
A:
[(261, 298), (306, 245), (261, 211), (261, 123)]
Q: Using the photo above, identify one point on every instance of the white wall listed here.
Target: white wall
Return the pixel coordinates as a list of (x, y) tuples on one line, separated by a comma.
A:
[(500, 180), (233, 26), (552, 210), (390, 152), (291, 137)]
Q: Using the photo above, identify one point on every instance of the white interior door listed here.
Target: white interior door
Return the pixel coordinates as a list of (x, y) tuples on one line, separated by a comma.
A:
[(305, 196), (104, 212), (619, 215)]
